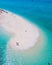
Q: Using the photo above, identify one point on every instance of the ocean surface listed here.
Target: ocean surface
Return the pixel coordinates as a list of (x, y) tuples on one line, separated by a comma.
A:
[(38, 12)]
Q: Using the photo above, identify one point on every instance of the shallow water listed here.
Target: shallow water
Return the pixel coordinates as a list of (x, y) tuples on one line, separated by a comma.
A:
[(39, 13)]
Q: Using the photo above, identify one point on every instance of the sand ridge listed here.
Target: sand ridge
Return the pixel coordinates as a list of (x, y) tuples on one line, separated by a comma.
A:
[(25, 34)]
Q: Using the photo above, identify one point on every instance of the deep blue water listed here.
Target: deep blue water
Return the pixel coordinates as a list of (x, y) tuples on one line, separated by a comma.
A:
[(38, 12)]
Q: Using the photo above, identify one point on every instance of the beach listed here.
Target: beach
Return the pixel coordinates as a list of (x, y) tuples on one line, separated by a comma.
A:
[(24, 34)]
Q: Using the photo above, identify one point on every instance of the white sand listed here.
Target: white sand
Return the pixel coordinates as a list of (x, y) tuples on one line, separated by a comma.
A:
[(25, 33)]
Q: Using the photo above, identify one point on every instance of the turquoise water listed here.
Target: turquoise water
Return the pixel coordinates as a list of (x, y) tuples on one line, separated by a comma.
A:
[(4, 38), (39, 13)]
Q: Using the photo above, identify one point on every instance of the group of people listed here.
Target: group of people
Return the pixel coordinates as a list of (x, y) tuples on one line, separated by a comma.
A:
[(1, 10)]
